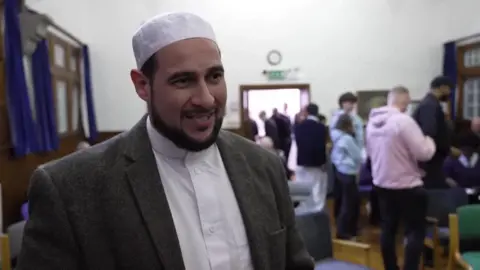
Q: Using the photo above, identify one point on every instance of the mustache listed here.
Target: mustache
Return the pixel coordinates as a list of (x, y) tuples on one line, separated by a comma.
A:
[(199, 111)]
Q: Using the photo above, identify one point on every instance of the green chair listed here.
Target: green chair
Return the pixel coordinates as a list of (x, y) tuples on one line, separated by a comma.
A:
[(464, 226)]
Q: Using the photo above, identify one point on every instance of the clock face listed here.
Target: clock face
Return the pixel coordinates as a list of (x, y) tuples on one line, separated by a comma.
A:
[(274, 57)]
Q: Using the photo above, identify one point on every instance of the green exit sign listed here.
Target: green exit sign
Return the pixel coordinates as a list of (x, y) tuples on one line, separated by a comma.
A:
[(276, 75)]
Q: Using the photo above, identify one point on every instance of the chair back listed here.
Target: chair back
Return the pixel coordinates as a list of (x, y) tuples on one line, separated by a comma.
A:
[(442, 202), (15, 235), (314, 227), (468, 219)]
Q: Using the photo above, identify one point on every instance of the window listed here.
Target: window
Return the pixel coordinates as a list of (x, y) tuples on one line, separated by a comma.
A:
[(65, 61), (471, 98), (468, 61)]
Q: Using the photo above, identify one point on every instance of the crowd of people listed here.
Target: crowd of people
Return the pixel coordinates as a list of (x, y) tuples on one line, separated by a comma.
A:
[(399, 155)]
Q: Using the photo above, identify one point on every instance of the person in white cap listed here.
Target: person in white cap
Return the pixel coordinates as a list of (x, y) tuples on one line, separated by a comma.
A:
[(174, 192)]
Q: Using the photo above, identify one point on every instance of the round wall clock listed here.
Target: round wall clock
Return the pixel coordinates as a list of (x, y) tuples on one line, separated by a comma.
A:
[(274, 57)]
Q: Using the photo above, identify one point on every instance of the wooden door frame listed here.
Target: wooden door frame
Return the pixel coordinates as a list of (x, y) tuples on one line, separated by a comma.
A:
[(265, 87)]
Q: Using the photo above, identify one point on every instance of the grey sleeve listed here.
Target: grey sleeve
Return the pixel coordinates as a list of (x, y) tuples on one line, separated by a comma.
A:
[(48, 242), (297, 256)]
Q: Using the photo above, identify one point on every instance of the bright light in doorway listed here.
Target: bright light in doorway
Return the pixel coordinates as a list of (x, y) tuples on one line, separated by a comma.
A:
[(267, 100)]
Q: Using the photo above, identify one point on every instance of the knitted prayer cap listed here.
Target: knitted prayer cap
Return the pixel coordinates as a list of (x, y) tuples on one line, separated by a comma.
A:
[(165, 29)]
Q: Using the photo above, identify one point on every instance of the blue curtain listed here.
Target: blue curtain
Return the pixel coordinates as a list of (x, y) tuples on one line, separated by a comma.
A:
[(45, 108), (92, 122), (450, 70), (22, 127)]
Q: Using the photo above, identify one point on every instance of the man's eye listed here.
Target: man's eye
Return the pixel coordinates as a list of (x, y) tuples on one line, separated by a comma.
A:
[(216, 76), (182, 82)]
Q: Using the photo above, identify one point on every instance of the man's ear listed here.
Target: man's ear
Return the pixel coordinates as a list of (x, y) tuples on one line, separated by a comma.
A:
[(141, 83)]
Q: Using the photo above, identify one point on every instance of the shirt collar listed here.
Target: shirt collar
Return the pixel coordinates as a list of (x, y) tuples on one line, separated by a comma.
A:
[(162, 145), (313, 117), (469, 163), (167, 148)]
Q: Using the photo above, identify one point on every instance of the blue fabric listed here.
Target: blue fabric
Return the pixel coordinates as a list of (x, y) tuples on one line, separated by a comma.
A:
[(346, 154), (331, 264), (466, 177), (45, 108), (450, 70), (92, 122), (24, 211), (22, 127), (365, 176)]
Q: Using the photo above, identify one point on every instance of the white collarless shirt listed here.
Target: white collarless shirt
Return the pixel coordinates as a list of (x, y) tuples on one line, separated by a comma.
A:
[(204, 208)]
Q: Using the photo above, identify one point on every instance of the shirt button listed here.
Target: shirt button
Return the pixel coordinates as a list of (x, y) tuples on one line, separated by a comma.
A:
[(197, 171)]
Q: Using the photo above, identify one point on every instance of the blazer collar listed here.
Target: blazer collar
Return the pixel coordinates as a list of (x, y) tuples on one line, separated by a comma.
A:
[(144, 179), (239, 171), (145, 182)]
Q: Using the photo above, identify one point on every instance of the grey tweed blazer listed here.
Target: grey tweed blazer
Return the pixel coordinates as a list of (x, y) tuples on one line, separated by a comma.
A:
[(105, 209)]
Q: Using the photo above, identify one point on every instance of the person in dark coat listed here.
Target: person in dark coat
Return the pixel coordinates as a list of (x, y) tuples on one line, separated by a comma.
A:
[(271, 130), (366, 179), (430, 117), (251, 127), (464, 170), (284, 126), (310, 137)]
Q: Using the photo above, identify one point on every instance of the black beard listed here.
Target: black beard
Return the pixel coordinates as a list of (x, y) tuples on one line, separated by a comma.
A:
[(179, 137), (444, 98)]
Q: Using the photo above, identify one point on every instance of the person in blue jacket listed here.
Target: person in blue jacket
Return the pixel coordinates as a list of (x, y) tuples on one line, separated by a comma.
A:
[(347, 103)]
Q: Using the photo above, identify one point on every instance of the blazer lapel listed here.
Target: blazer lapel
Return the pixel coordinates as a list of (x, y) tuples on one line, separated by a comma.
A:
[(241, 178), (147, 188)]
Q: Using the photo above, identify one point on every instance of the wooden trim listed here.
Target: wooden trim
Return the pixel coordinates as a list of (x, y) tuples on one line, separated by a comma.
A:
[(66, 33), (463, 74), (64, 73), (5, 251), (246, 87)]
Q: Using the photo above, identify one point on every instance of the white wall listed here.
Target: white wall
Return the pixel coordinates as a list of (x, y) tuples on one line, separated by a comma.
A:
[(340, 45)]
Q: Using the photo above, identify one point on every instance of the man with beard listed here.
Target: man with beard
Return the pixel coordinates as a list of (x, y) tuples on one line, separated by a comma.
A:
[(174, 192), (431, 119)]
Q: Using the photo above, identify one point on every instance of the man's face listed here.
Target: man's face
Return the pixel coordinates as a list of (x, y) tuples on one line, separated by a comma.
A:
[(444, 93), (348, 106), (475, 125), (188, 94), (403, 101)]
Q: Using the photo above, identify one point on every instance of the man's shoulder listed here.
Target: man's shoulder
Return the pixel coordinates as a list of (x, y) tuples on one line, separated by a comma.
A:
[(402, 120), (357, 119), (248, 148), (86, 162)]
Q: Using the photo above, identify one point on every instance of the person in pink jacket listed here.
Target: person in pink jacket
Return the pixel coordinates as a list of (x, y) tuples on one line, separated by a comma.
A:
[(395, 144)]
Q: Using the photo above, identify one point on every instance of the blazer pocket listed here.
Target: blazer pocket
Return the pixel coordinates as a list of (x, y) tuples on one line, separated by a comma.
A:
[(277, 248)]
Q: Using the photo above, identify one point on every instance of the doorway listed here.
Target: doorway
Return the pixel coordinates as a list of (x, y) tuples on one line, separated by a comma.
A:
[(286, 98)]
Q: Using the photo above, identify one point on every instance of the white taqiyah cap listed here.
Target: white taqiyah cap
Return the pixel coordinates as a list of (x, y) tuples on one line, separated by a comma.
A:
[(165, 29)]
